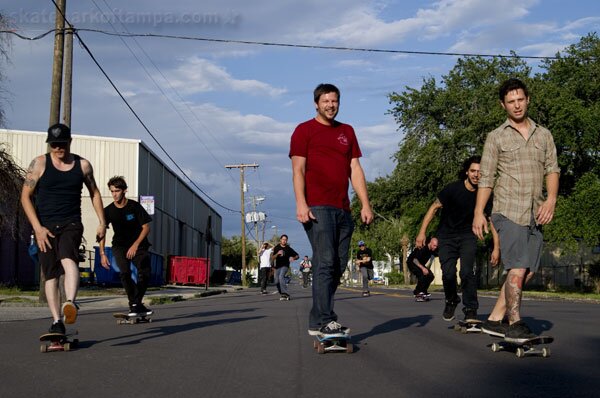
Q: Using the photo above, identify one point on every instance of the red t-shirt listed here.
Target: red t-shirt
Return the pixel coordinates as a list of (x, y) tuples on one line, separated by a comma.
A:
[(328, 151)]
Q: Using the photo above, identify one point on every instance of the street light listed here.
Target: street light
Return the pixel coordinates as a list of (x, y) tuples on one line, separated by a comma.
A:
[(275, 226)]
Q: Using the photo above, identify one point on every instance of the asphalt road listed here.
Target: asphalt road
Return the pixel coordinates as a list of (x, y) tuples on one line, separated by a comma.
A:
[(242, 344)]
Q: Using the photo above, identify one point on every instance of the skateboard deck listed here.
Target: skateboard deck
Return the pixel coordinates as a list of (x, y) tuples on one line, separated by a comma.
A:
[(57, 342), (468, 326), (340, 343), (131, 320), (526, 348)]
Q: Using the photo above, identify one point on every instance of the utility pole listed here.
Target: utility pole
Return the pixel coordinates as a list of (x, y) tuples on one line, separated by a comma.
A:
[(57, 66), (68, 83), (242, 167)]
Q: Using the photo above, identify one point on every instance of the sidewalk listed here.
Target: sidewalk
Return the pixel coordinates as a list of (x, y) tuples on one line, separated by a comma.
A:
[(20, 311)]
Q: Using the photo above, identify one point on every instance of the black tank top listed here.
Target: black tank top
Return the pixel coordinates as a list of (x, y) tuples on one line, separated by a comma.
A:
[(58, 197)]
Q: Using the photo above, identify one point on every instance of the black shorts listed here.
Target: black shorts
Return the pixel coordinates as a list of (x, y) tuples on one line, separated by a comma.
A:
[(65, 244)]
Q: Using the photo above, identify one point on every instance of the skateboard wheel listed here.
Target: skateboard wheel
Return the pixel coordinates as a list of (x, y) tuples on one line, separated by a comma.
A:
[(315, 345), (349, 348), (520, 352), (321, 348), (545, 352), (496, 347), (149, 320), (43, 348), (463, 330), (456, 328), (67, 346)]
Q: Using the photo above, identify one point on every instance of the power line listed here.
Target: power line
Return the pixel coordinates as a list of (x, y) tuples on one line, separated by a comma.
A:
[(86, 48), (309, 46)]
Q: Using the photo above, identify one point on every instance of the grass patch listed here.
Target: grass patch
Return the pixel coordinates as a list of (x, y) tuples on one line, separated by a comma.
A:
[(159, 300)]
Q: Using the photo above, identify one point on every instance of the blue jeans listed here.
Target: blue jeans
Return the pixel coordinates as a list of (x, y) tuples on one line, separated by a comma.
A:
[(280, 279), (329, 236)]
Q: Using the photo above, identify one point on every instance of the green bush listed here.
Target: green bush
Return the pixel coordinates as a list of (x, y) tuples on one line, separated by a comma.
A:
[(395, 277)]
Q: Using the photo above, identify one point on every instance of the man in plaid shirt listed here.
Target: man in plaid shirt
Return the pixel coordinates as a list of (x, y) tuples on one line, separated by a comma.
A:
[(517, 157)]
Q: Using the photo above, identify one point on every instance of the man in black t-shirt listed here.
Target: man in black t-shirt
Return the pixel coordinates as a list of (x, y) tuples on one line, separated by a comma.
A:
[(131, 225), (364, 261), (456, 238), (417, 264), (282, 254)]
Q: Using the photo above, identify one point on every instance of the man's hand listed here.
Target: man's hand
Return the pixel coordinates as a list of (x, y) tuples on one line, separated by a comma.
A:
[(131, 252), (480, 225), (545, 212), (104, 261), (366, 215), (303, 214), (100, 232), (41, 238), (495, 257)]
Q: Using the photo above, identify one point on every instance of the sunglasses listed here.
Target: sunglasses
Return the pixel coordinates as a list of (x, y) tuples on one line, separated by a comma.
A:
[(58, 144)]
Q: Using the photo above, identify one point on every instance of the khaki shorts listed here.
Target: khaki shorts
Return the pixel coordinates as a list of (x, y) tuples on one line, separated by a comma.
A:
[(65, 244), (520, 246)]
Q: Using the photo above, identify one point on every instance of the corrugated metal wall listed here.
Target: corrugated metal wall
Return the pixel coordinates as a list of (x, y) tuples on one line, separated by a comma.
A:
[(181, 216)]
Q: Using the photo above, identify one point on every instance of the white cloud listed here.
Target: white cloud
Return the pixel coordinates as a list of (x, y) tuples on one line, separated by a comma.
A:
[(197, 75)]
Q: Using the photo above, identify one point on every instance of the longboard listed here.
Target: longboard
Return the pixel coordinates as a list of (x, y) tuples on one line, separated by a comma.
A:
[(526, 348), (339, 343), (57, 342), (131, 320), (468, 326)]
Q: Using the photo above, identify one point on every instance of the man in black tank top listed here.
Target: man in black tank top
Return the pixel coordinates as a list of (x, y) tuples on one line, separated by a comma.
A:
[(55, 180), (457, 240)]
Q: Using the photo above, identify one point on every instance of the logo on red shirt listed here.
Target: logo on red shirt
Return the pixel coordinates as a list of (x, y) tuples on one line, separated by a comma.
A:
[(343, 139)]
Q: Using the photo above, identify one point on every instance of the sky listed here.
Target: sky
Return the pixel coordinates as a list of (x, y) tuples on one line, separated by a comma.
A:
[(212, 103)]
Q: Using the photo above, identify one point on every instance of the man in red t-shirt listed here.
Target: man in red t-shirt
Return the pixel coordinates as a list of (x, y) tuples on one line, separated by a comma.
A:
[(324, 155)]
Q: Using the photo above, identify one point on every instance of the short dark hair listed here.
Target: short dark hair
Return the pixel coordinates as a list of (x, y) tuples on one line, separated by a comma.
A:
[(325, 88), (283, 236), (511, 85), (117, 182), (466, 164)]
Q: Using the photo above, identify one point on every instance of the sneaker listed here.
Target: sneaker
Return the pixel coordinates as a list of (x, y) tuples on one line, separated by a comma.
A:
[(470, 314), (449, 309), (519, 332), (366, 294), (419, 298), (314, 331), (69, 310), (334, 329), (133, 310), (284, 297), (264, 292), (427, 294), (57, 327), (494, 328), (143, 311)]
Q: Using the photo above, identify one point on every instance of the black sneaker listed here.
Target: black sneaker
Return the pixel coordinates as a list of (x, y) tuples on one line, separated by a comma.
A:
[(264, 292), (57, 327), (133, 310), (366, 294), (285, 297), (419, 298), (449, 309), (470, 314), (494, 328), (143, 311), (519, 332), (334, 329)]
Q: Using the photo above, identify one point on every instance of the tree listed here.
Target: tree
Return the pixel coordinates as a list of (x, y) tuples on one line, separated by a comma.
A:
[(231, 250), (11, 182)]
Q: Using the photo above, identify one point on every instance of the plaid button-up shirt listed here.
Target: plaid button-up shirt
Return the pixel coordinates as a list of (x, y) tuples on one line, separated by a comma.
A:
[(515, 169)]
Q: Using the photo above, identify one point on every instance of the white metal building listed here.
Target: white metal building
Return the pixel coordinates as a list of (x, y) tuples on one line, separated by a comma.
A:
[(180, 220)]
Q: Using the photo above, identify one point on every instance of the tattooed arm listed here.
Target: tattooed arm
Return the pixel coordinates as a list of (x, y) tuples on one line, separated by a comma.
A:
[(90, 183), (34, 172)]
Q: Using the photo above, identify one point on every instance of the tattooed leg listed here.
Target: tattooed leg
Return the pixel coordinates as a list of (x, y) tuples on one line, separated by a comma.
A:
[(513, 292)]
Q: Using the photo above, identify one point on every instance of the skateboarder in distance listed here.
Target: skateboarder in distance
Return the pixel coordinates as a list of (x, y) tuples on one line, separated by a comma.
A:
[(131, 225), (417, 264)]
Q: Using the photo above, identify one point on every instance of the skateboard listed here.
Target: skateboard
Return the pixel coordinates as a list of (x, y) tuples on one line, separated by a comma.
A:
[(124, 318), (57, 342), (339, 343), (468, 326), (528, 347)]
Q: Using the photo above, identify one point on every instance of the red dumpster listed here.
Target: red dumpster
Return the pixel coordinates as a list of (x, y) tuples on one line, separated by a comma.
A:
[(188, 270)]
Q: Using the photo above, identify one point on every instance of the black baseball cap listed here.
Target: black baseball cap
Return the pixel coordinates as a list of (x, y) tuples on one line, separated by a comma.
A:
[(58, 133)]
